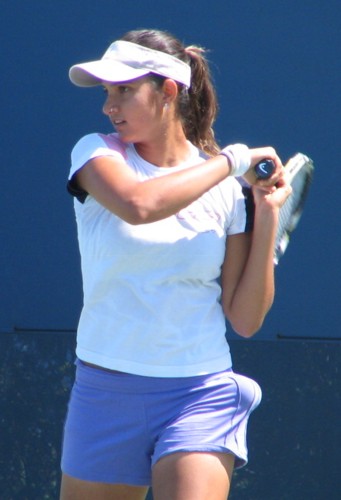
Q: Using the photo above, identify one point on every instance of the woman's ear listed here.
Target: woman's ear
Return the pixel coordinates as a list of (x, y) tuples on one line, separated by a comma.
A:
[(170, 91)]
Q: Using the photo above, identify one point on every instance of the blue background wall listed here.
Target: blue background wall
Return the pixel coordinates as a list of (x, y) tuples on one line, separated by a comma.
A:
[(277, 69)]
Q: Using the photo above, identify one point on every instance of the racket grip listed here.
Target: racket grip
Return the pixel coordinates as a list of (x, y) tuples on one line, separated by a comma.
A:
[(264, 169)]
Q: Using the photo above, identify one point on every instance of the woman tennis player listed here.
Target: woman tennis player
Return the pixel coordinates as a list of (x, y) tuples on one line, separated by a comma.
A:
[(169, 248)]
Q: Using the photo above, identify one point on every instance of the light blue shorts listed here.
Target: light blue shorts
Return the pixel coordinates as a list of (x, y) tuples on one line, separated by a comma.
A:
[(119, 425)]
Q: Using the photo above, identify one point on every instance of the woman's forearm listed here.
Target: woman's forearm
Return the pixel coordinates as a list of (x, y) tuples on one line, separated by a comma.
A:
[(253, 295)]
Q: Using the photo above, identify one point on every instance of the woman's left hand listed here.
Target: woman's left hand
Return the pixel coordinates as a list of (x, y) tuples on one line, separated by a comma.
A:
[(273, 195)]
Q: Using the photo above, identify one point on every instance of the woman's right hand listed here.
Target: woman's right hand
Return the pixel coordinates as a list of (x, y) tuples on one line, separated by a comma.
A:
[(257, 155)]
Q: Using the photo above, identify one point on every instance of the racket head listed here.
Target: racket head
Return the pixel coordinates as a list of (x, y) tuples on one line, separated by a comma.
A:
[(299, 172)]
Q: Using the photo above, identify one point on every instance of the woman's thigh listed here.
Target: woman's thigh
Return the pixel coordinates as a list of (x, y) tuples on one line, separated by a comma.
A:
[(76, 489), (193, 476)]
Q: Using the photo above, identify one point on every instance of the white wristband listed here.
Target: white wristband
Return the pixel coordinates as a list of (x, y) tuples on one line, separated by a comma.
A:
[(239, 158)]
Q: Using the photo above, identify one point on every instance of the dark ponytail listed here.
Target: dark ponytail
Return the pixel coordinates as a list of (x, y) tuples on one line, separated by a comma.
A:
[(197, 106), (203, 105)]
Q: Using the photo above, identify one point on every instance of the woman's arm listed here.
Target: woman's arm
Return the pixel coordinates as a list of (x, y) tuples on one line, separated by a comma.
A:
[(248, 270), (113, 184)]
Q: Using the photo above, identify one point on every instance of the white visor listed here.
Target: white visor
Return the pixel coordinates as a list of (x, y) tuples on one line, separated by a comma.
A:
[(125, 61)]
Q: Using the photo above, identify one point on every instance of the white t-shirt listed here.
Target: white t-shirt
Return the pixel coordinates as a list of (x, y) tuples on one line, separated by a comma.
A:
[(151, 291)]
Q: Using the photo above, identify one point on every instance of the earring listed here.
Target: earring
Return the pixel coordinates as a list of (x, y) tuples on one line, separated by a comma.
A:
[(166, 106)]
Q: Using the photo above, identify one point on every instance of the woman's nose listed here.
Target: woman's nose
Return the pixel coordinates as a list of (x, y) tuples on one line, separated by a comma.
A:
[(109, 107)]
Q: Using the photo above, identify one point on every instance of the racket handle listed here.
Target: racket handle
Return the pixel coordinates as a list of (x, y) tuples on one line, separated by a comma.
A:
[(264, 169)]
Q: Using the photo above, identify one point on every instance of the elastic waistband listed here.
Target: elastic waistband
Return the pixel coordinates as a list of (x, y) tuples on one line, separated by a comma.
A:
[(127, 382)]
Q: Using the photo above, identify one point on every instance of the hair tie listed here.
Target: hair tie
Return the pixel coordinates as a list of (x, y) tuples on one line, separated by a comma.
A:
[(194, 51)]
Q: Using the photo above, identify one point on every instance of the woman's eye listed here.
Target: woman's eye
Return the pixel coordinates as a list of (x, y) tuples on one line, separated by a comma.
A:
[(120, 89)]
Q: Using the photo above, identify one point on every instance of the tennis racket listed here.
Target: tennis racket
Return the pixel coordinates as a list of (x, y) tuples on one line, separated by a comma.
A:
[(299, 172)]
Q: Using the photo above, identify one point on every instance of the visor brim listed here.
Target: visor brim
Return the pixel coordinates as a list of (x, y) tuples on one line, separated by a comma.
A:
[(94, 73)]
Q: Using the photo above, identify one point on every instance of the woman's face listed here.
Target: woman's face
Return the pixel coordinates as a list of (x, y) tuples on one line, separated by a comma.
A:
[(135, 109)]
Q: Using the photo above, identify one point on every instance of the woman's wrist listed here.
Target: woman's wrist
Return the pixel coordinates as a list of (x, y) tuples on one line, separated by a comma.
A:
[(266, 216), (238, 157)]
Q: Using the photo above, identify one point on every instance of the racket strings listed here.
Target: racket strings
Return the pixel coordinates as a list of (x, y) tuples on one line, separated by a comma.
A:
[(291, 211)]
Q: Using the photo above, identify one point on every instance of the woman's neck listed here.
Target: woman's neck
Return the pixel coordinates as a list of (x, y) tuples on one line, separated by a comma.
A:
[(169, 149)]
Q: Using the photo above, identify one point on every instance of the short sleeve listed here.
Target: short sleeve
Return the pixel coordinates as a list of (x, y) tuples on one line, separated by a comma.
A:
[(92, 146)]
